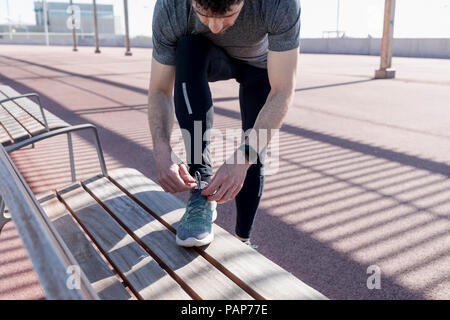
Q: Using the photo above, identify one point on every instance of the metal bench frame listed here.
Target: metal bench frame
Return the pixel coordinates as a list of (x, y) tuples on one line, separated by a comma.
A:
[(39, 236), (68, 131), (47, 128), (33, 94)]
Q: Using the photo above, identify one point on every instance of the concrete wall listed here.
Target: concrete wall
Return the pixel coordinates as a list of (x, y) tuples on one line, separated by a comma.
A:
[(66, 40), (420, 48)]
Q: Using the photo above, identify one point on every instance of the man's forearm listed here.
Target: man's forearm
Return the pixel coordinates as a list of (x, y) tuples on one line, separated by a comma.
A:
[(271, 116), (160, 118)]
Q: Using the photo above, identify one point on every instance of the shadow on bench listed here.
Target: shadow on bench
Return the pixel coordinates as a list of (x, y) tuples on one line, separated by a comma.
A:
[(112, 236)]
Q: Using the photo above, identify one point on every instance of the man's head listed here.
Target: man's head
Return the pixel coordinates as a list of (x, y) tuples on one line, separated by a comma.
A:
[(218, 15)]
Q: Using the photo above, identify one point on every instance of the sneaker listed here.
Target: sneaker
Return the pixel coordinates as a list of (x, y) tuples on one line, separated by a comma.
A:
[(195, 227), (251, 245)]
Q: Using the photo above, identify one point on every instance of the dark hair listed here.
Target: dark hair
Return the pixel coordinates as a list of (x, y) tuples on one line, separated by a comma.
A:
[(217, 6)]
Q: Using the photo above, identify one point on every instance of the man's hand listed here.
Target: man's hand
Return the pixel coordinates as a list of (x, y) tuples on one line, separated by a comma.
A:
[(227, 182), (173, 177)]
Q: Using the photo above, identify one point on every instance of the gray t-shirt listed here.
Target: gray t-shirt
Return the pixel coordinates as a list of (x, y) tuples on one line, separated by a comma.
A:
[(262, 25)]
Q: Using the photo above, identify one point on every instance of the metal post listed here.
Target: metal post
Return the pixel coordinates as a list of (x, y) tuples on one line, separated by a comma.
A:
[(74, 36), (3, 219), (44, 8), (337, 18), (2, 206), (9, 19), (97, 50), (71, 157), (386, 71), (127, 34)]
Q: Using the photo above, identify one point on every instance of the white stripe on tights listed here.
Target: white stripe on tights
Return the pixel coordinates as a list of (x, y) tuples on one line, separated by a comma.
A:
[(186, 98)]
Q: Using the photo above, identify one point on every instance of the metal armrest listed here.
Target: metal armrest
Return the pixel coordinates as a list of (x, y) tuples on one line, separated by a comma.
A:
[(26, 96), (67, 130), (49, 254)]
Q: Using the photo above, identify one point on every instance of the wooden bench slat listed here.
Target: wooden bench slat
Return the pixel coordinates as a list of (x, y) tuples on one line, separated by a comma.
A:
[(31, 125), (34, 110), (142, 272), (15, 130), (5, 139), (259, 273), (103, 280), (202, 277)]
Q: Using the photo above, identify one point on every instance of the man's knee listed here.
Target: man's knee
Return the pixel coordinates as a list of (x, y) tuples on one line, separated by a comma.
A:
[(192, 58), (193, 47)]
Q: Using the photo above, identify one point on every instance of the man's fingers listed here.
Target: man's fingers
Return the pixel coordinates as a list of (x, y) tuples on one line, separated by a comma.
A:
[(170, 184), (228, 195), (212, 186), (177, 182), (192, 185), (176, 178), (185, 175), (236, 191), (166, 186), (220, 193)]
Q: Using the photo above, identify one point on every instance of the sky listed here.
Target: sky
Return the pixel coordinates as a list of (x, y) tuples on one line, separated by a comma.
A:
[(357, 18)]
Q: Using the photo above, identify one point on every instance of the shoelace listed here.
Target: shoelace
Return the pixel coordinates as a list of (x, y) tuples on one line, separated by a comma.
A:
[(197, 203), (198, 177), (197, 206)]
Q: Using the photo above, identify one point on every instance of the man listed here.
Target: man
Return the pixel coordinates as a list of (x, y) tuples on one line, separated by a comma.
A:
[(199, 41)]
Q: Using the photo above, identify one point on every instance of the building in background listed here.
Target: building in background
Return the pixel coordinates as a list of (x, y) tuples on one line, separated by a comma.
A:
[(57, 18)]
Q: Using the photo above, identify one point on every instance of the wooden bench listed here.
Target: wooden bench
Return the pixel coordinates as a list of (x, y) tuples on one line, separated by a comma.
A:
[(21, 118), (119, 229)]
